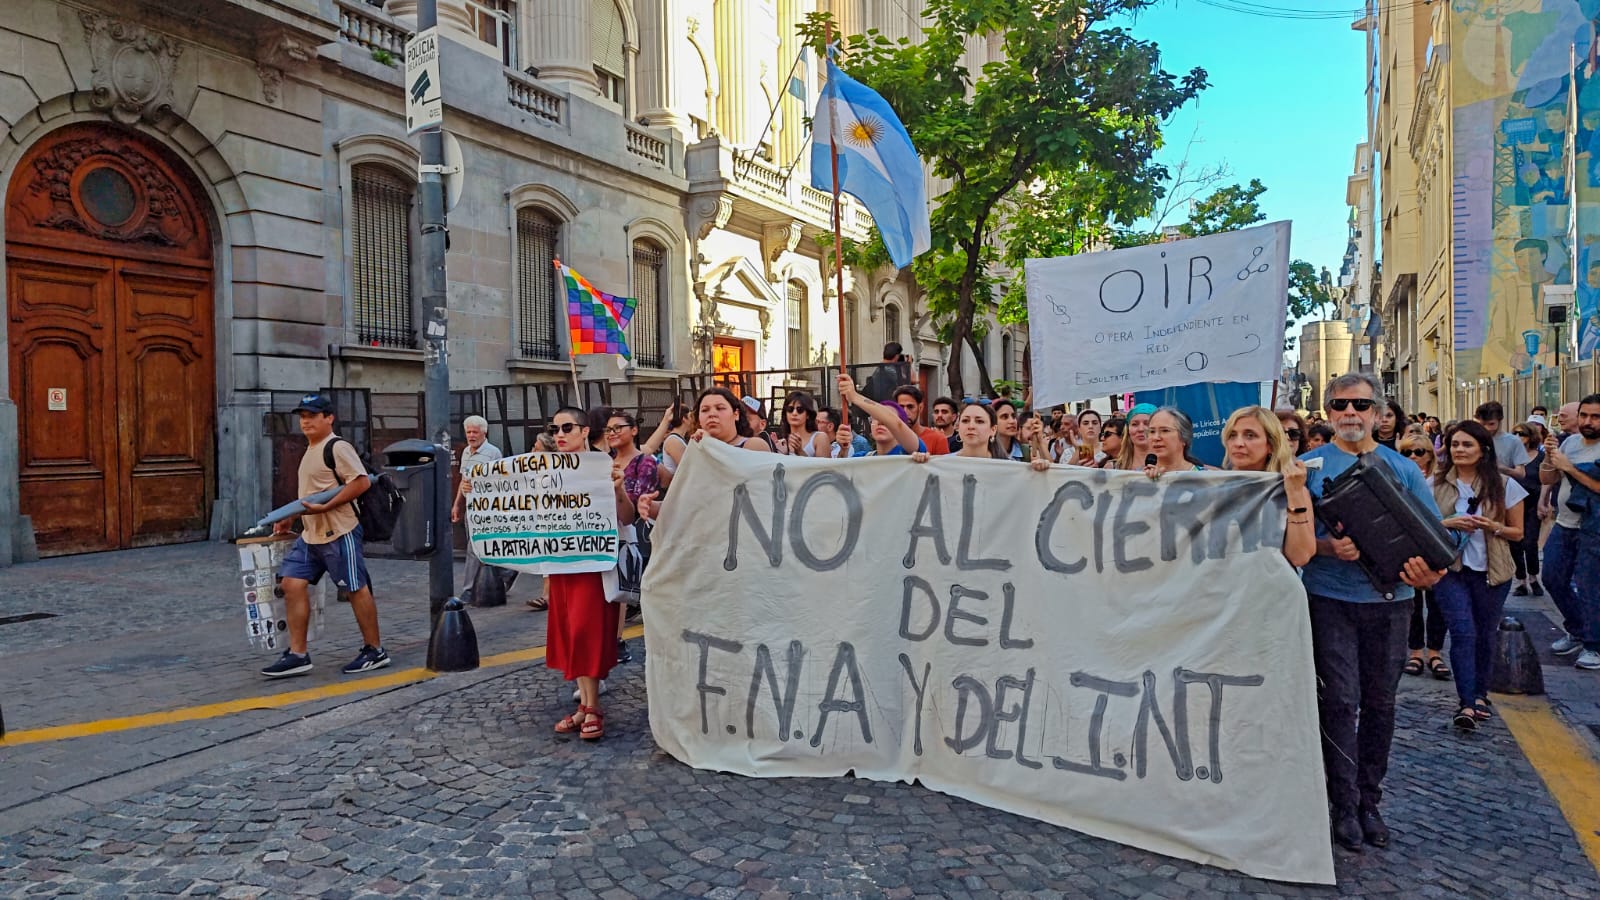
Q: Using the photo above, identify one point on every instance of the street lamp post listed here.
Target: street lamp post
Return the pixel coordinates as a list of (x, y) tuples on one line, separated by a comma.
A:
[(436, 360)]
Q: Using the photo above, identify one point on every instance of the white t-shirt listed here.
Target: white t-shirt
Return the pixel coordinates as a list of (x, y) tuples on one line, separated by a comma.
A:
[(1510, 451), (1579, 452), (1475, 555)]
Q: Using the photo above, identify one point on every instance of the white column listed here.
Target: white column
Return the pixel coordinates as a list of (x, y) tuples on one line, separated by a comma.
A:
[(654, 66), (559, 44), (735, 76)]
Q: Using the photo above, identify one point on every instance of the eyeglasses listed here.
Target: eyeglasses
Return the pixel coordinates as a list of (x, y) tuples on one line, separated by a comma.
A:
[(615, 429), (1293, 433), (1361, 404), (562, 427), (1418, 453)]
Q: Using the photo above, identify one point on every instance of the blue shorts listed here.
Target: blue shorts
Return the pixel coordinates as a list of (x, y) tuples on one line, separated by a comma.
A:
[(342, 557)]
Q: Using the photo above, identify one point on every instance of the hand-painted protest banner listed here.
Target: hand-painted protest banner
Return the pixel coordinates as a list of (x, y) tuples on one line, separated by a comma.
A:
[(1127, 658), (1202, 309), (544, 512)]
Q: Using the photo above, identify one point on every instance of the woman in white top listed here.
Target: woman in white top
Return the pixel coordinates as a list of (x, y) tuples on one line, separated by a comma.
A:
[(798, 431), (1486, 506), (670, 439)]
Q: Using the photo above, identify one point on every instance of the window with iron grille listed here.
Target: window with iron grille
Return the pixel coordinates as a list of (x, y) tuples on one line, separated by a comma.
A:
[(649, 286), (380, 258), (537, 287), (891, 323), (796, 320)]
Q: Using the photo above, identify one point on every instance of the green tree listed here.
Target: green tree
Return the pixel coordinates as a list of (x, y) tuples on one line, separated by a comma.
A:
[(1073, 110), (1227, 209), (1310, 292)]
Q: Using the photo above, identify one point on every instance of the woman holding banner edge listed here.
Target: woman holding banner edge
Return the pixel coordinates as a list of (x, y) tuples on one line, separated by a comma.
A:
[(1255, 442), (581, 633)]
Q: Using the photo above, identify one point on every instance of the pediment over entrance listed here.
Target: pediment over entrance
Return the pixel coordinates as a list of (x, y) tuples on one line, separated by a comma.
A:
[(737, 280)]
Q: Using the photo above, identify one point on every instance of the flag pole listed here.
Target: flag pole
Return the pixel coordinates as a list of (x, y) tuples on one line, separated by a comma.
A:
[(572, 357), (838, 239)]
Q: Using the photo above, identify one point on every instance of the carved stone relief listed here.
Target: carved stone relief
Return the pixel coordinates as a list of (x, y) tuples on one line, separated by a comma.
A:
[(777, 239), (277, 53), (132, 68)]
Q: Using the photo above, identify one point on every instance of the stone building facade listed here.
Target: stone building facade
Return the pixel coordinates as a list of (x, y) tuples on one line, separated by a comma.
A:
[(210, 201)]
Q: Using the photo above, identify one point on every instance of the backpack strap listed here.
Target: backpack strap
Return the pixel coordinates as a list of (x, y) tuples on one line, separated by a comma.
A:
[(327, 458)]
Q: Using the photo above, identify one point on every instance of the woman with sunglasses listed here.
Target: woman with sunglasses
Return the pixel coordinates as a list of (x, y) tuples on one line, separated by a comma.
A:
[(1426, 633), (1486, 506), (1525, 553), (1111, 442), (1171, 436), (1390, 424), (1255, 442), (581, 633), (798, 434), (1136, 440), (1294, 428)]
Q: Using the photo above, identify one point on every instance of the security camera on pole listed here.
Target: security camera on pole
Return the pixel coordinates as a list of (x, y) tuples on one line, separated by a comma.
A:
[(425, 114)]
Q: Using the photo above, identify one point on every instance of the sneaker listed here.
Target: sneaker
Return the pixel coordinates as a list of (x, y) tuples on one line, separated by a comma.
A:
[(289, 664), (603, 690), (368, 659), (1538, 589), (1521, 590), (1567, 644), (624, 655), (1588, 659)]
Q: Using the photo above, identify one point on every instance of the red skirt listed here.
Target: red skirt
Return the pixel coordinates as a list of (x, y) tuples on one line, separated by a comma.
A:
[(581, 634)]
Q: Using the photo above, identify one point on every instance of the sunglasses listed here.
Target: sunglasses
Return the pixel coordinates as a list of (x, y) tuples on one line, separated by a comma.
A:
[(1360, 404), (1520, 433), (562, 428), (1110, 432), (1472, 505), (1293, 433), (1418, 453), (978, 401)]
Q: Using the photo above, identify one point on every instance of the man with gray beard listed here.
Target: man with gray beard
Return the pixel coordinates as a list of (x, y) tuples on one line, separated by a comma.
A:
[(1358, 634)]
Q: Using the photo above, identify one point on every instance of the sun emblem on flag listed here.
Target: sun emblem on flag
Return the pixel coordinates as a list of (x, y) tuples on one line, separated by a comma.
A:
[(865, 131)]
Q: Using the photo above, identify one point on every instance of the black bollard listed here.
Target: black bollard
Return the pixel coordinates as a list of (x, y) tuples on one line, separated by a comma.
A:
[(1515, 669), (488, 589), (453, 647)]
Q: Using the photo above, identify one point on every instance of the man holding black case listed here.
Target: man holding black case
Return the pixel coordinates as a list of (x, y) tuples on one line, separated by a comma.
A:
[(1358, 633)]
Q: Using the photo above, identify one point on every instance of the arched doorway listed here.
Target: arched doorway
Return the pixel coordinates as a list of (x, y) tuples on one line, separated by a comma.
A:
[(109, 294)]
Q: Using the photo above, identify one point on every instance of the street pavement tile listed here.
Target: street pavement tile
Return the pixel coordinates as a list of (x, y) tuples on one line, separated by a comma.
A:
[(470, 794)]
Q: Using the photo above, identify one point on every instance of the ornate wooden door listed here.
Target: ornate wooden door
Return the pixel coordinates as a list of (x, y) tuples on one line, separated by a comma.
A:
[(109, 287)]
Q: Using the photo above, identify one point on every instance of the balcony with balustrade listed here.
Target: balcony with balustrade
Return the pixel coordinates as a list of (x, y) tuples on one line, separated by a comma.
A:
[(764, 194)]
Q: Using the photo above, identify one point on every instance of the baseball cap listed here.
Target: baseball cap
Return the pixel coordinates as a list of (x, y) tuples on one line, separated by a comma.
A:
[(315, 403), (751, 404), (1539, 421)]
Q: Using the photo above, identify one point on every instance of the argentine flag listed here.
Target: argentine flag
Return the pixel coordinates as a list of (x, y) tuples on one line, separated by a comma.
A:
[(877, 164)]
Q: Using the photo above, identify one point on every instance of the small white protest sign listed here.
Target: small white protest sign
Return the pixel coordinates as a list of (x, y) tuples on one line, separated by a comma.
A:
[(1202, 309), (544, 513)]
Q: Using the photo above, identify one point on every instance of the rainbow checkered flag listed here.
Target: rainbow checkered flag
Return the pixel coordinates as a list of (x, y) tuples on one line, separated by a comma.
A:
[(596, 318)]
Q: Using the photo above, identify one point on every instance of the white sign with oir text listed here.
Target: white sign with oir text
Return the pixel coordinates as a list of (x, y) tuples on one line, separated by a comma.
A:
[(1201, 309)]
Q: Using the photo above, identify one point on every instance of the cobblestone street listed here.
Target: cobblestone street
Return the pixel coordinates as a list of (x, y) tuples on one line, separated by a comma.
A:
[(457, 787)]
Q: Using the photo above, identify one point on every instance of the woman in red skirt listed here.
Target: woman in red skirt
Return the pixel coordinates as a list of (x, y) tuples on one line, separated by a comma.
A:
[(582, 628)]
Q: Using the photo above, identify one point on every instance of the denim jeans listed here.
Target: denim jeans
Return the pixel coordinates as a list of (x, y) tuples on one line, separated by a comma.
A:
[(1572, 576), (1359, 650), (1472, 611), (1430, 635)]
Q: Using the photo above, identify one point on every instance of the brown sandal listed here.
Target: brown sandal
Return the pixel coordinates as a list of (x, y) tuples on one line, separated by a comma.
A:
[(572, 722), (593, 724), (538, 604)]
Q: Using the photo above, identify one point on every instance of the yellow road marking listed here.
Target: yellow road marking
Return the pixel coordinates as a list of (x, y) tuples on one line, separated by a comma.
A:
[(268, 701), (1562, 759)]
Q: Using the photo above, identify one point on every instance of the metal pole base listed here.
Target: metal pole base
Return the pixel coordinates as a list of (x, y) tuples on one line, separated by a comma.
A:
[(453, 647)]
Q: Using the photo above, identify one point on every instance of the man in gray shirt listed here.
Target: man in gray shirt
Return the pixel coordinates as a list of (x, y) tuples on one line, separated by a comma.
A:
[(1572, 553), (478, 450), (1508, 449)]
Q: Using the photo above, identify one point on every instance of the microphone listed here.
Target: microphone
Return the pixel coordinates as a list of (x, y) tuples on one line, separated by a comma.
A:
[(1150, 460)]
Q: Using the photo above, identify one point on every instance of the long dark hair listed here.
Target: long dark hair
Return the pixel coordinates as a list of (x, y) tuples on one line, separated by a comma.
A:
[(994, 427), (1491, 489), (741, 427), (806, 403)]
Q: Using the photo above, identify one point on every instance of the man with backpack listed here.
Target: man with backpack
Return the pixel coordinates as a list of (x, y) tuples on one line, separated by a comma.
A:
[(329, 542)]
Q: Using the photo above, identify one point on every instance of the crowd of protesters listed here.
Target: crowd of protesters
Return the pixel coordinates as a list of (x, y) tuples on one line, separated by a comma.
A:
[(1523, 503)]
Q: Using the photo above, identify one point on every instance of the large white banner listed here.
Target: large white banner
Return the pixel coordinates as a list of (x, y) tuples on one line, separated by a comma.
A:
[(544, 512), (1127, 658), (1202, 309)]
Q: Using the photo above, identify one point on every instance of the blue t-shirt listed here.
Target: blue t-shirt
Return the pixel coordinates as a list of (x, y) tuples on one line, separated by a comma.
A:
[(1329, 576), (898, 450)]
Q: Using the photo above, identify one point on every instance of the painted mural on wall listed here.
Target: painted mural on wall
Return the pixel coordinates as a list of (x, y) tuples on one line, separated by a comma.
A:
[(1525, 149)]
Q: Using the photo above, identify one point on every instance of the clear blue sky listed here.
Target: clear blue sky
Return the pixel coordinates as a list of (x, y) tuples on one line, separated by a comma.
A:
[(1286, 105)]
